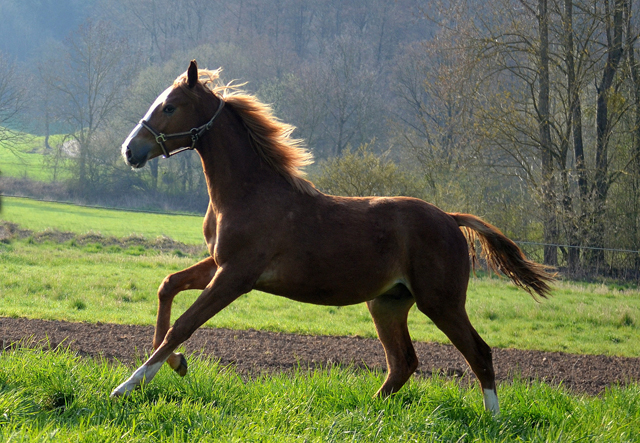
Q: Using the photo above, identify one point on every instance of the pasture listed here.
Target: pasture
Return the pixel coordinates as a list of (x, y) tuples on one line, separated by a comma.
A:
[(63, 397)]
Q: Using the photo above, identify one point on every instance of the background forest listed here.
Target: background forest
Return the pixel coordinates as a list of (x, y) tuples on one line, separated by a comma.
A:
[(525, 112)]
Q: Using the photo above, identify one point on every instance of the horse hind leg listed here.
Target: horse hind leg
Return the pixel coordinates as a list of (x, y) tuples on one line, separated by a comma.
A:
[(452, 319), (389, 312), (197, 276)]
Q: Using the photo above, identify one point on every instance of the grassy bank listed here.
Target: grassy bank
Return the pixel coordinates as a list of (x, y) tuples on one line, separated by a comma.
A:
[(61, 397)]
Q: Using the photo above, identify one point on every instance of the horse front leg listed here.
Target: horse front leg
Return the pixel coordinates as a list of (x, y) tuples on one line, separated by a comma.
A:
[(197, 276), (225, 287)]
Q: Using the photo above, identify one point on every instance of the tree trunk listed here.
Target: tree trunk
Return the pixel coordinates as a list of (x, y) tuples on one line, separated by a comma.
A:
[(82, 169), (548, 180), (635, 163), (614, 26), (153, 166), (575, 231)]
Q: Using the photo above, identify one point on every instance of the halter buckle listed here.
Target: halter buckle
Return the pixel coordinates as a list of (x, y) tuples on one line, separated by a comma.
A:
[(195, 135)]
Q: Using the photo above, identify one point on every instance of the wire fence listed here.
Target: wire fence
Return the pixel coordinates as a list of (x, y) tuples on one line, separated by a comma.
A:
[(590, 263)]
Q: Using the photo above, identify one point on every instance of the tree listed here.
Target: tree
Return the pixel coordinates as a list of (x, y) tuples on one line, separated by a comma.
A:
[(633, 172), (352, 93), (518, 119), (90, 78), (614, 27), (162, 27), (435, 87), (575, 229), (145, 87), (538, 76), (13, 100), (335, 101), (301, 99)]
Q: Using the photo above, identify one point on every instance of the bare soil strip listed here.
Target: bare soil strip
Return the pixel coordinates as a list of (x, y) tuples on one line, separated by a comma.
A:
[(254, 352)]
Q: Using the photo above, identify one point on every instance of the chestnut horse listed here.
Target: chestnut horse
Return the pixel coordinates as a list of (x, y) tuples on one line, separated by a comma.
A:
[(268, 228)]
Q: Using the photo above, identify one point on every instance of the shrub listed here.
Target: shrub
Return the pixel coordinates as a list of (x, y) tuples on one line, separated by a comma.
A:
[(364, 173)]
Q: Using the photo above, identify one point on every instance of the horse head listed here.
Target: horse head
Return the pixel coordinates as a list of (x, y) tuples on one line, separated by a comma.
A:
[(177, 116)]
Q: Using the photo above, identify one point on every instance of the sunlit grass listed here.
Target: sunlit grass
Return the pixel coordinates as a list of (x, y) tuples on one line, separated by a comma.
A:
[(56, 396), (110, 284), (585, 318)]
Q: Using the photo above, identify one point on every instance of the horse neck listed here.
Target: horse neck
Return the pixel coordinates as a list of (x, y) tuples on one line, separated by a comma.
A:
[(232, 167)]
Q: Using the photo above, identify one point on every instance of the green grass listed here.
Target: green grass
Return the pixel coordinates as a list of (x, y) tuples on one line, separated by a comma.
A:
[(26, 160), (38, 216), (109, 284), (62, 397), (578, 318)]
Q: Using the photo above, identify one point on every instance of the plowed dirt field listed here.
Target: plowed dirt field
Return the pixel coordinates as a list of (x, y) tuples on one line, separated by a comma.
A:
[(253, 352)]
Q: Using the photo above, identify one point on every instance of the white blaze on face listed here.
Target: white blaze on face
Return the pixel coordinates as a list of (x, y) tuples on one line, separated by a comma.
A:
[(134, 133)]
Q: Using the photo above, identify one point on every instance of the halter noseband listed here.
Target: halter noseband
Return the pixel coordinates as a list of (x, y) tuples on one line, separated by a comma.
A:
[(194, 133)]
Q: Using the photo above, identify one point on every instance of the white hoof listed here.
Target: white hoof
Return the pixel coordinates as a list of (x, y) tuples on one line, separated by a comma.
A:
[(491, 401), (143, 374), (122, 391)]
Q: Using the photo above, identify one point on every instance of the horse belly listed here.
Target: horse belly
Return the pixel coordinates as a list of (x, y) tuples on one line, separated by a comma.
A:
[(326, 286)]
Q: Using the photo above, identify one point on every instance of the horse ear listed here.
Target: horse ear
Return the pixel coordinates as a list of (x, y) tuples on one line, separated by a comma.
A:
[(192, 74)]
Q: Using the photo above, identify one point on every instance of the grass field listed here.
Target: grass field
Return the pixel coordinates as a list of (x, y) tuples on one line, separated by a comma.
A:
[(25, 159), (38, 216), (64, 398)]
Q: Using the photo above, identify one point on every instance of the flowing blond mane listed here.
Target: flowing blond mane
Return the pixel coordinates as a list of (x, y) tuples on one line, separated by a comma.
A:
[(271, 138)]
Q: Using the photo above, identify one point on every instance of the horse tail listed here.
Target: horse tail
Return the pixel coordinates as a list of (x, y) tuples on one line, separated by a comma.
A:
[(502, 254)]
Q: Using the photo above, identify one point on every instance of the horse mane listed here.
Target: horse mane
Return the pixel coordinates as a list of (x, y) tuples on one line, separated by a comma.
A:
[(270, 137)]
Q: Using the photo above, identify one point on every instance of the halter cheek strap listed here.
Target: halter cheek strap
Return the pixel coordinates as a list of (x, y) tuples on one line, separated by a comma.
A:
[(194, 133)]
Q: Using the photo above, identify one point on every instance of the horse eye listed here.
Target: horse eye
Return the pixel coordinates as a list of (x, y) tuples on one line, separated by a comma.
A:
[(169, 109)]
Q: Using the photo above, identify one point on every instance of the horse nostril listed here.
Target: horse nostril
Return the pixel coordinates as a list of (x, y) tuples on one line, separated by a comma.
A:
[(128, 154)]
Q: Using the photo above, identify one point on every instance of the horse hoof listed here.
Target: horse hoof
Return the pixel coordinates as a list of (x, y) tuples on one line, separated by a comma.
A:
[(119, 392), (182, 367)]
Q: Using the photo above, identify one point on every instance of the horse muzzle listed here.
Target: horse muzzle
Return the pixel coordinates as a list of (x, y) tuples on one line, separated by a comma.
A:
[(136, 151), (135, 158)]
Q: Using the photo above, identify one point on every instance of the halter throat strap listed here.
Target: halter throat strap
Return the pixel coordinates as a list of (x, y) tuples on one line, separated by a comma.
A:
[(194, 133)]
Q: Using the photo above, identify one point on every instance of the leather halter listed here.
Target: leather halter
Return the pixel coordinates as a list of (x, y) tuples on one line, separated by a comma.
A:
[(194, 133)]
